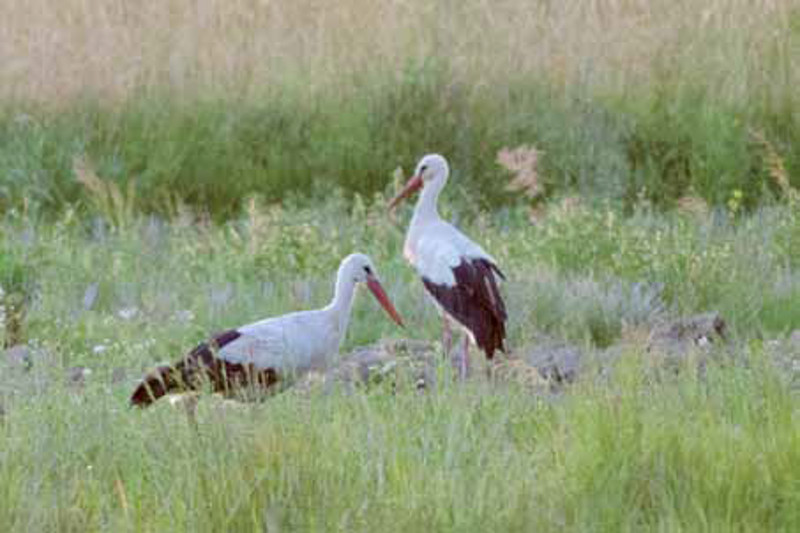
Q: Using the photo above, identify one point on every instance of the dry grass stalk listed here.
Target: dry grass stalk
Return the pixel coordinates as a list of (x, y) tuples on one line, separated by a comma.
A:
[(522, 162), (517, 371), (775, 166), (122, 496), (56, 51), (570, 204), (258, 226), (693, 205), (108, 199), (186, 402)]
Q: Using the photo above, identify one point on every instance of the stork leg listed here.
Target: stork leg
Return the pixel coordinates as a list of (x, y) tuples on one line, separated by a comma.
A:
[(447, 336), (463, 361), (490, 370)]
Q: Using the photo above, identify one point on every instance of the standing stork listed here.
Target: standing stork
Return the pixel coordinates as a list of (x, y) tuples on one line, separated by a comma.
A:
[(458, 274), (264, 353)]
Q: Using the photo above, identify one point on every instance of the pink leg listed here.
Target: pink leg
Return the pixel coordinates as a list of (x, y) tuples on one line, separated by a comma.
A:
[(447, 336), (463, 367)]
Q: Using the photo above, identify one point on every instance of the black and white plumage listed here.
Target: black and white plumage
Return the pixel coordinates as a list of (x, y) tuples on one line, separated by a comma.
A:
[(273, 350), (474, 301), (458, 274)]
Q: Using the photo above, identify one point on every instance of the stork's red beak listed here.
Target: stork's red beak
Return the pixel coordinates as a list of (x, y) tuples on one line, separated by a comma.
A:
[(413, 185), (377, 290)]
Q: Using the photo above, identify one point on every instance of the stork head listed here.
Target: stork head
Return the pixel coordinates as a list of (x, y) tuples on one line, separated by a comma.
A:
[(432, 168), (359, 268)]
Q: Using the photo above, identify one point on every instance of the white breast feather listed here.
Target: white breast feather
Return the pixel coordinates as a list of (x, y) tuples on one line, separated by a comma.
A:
[(436, 249)]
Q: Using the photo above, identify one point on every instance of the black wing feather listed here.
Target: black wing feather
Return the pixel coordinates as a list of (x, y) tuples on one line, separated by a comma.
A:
[(475, 302), (202, 365)]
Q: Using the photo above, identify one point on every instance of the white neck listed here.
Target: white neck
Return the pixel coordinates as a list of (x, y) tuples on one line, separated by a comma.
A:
[(426, 209), (342, 301)]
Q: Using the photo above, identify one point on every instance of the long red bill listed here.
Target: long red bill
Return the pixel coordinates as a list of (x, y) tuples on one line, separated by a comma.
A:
[(377, 290), (413, 185)]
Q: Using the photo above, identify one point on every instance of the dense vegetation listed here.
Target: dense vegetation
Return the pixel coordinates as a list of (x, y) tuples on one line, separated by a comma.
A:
[(177, 167), (717, 450), (626, 100)]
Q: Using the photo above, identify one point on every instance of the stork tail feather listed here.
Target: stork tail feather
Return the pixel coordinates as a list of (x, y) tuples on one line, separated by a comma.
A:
[(187, 374), (163, 380), (201, 368)]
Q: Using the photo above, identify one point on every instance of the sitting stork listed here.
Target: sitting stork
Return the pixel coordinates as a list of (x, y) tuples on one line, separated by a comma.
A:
[(264, 353), (457, 273)]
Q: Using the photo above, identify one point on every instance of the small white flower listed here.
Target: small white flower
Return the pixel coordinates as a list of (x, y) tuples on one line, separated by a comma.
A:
[(127, 313), (100, 348)]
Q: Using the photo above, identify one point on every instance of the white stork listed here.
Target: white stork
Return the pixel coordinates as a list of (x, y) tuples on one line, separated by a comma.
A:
[(271, 350), (458, 274)]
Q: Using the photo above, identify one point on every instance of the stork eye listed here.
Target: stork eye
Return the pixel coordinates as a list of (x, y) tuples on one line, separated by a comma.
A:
[(368, 270), (423, 168)]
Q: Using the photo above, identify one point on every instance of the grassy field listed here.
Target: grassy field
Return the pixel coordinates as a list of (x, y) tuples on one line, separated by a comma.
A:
[(635, 451), (181, 167), (209, 102)]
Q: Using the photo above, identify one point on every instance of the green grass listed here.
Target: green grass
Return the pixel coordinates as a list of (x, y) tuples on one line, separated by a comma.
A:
[(215, 152), (719, 454), (635, 451), (180, 168), (624, 101)]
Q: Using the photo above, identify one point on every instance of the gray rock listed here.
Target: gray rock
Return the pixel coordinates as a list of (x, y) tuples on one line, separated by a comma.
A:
[(19, 357), (404, 362), (26, 370), (401, 363), (686, 332), (77, 375), (558, 363), (412, 365), (696, 338)]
